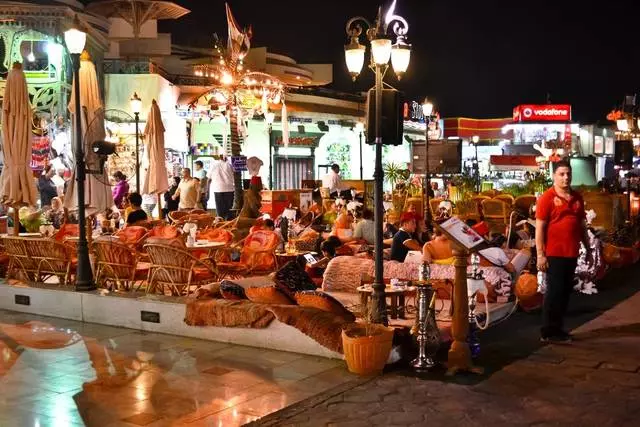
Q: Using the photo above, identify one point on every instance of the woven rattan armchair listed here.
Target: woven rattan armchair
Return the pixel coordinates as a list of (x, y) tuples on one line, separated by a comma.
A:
[(117, 265), (524, 203), (51, 258), (176, 268), (175, 216), (257, 256), (496, 214), (505, 197), (21, 266)]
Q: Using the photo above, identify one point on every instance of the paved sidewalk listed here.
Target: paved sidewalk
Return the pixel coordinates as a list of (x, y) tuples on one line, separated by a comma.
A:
[(593, 382)]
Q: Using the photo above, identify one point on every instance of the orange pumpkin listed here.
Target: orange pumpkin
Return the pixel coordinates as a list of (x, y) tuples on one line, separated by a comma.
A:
[(527, 292), (611, 255)]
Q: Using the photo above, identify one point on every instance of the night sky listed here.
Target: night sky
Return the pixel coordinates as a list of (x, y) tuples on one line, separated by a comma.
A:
[(474, 58)]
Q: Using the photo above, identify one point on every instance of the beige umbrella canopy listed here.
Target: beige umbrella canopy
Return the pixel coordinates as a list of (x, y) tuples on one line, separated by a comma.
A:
[(137, 12), (17, 186), (155, 180), (98, 197)]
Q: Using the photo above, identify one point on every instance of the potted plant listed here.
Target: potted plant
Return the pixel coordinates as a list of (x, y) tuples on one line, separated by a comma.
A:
[(366, 346)]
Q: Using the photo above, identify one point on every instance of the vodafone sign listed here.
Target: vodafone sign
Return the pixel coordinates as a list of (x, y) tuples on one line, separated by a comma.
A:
[(542, 113)]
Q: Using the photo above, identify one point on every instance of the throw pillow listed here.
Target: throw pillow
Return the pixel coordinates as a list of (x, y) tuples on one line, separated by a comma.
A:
[(231, 290), (268, 295), (325, 302), (292, 278)]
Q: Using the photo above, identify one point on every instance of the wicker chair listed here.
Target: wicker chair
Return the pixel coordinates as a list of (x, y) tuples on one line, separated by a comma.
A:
[(52, 258), (164, 231), (117, 265), (133, 235), (177, 215), (257, 256), (434, 204), (176, 268), (505, 197), (490, 193), (468, 209), (20, 263), (524, 203), (496, 214)]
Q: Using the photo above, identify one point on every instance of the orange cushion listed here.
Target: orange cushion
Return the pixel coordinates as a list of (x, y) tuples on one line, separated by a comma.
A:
[(268, 295), (325, 302)]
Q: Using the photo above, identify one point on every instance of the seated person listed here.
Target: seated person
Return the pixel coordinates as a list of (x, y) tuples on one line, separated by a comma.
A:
[(389, 228), (269, 225), (328, 250), (342, 228), (438, 250), (402, 241), (30, 219), (135, 213), (365, 228), (55, 215)]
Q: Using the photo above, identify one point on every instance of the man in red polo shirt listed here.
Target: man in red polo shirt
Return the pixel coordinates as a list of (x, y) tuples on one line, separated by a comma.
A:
[(560, 227)]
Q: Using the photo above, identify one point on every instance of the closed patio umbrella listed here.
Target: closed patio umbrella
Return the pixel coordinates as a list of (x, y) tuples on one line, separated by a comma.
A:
[(17, 186), (155, 180), (98, 197)]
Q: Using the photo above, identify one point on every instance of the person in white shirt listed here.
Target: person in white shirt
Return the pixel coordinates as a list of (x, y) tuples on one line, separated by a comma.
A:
[(222, 186), (188, 191), (333, 182)]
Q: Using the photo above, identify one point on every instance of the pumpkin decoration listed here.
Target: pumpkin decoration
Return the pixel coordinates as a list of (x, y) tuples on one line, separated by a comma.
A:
[(527, 292), (611, 255)]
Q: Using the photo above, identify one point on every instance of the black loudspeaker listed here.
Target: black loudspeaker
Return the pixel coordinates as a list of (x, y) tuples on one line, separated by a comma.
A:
[(392, 119), (623, 154)]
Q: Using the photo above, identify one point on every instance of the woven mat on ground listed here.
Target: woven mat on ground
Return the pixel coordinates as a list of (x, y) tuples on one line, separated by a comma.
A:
[(323, 327)]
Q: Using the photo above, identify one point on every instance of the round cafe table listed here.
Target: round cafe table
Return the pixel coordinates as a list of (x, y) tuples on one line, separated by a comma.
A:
[(396, 295), (206, 245)]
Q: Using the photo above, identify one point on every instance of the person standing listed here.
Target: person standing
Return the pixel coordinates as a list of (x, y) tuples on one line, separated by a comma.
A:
[(187, 191), (47, 187), (222, 186), (333, 181), (560, 227), (171, 204), (120, 190), (201, 174)]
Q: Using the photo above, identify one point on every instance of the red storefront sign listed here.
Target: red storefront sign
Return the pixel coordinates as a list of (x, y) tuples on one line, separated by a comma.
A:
[(542, 113)]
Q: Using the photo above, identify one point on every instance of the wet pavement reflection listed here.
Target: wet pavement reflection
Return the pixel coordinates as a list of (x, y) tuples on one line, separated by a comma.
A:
[(56, 372)]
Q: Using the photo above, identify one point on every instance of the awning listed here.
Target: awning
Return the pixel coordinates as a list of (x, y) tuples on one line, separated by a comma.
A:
[(514, 163)]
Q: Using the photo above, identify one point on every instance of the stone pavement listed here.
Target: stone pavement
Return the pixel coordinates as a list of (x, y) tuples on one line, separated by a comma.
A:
[(593, 382)]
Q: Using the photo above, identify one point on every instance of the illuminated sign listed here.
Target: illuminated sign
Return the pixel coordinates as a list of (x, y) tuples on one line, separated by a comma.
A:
[(542, 113)]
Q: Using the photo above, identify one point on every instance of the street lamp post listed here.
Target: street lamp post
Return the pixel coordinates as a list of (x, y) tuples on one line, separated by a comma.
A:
[(360, 129), (75, 39), (427, 111), (476, 165), (381, 52), (270, 117), (136, 106)]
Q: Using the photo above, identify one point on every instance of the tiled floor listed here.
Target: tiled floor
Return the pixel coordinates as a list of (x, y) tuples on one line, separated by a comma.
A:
[(56, 372)]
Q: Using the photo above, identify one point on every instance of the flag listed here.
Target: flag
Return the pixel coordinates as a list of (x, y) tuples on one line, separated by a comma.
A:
[(237, 40)]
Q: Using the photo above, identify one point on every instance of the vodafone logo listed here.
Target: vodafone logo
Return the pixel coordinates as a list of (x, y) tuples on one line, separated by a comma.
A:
[(558, 113)]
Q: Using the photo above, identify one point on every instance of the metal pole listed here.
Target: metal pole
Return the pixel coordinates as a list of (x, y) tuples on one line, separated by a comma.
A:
[(378, 300), (270, 159), (84, 275), (477, 170), (137, 115), (426, 171), (361, 174)]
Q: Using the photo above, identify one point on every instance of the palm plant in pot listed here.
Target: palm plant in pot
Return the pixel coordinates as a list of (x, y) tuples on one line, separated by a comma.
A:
[(366, 345)]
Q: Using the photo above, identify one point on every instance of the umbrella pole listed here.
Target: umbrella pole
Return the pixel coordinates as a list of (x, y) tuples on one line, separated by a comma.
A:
[(159, 206), (16, 220)]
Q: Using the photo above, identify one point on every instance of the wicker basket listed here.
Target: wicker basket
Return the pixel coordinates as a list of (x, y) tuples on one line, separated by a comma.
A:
[(367, 354)]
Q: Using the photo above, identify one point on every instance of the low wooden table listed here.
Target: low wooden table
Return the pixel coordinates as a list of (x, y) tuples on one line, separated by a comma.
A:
[(395, 294)]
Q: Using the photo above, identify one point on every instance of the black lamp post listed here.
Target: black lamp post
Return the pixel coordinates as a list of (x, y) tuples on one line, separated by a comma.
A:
[(476, 166), (136, 107), (360, 129), (381, 52), (427, 111), (75, 40), (270, 117)]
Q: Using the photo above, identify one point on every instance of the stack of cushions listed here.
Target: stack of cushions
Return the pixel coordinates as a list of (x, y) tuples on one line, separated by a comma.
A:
[(292, 286), (307, 240)]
